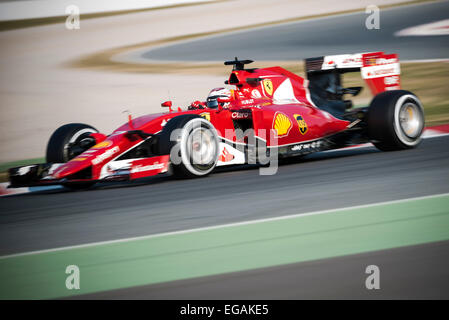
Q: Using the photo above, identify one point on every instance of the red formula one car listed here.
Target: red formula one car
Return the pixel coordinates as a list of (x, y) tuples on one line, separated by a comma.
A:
[(272, 113)]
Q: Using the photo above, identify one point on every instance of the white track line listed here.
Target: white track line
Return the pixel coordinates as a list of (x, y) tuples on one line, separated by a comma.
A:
[(164, 234)]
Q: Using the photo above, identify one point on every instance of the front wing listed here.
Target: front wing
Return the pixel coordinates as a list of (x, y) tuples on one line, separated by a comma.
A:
[(42, 174)]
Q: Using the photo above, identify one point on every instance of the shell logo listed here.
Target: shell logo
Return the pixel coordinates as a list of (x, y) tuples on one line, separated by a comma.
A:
[(282, 124)]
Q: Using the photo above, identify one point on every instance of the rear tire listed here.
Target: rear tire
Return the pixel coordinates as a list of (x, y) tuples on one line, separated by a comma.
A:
[(395, 120), (193, 145), (64, 145)]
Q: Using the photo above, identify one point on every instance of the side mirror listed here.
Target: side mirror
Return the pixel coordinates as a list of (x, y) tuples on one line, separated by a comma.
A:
[(167, 104)]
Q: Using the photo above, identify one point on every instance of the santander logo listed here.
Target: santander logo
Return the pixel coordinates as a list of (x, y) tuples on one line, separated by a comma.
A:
[(386, 61)]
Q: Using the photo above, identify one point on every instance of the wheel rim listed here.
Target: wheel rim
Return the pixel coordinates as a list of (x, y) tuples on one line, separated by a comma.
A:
[(199, 147), (410, 120), (73, 148), (201, 144)]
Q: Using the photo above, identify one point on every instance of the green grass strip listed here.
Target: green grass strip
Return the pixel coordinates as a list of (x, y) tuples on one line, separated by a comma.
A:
[(226, 249)]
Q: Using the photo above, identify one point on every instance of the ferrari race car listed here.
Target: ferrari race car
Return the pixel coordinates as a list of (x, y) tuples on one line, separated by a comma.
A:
[(270, 113)]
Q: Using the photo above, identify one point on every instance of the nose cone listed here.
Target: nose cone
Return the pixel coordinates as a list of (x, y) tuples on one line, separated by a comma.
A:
[(73, 166), (95, 156)]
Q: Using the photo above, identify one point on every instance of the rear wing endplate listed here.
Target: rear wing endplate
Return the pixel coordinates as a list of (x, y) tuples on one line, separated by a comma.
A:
[(380, 71)]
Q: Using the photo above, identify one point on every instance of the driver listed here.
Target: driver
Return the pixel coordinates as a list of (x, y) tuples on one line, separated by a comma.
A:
[(212, 99)]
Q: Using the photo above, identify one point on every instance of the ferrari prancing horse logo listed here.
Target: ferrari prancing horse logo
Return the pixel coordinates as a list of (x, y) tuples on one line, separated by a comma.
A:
[(268, 86), (301, 123), (205, 115)]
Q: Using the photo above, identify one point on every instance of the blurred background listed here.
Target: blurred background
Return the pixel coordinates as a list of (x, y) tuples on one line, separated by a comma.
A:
[(118, 61)]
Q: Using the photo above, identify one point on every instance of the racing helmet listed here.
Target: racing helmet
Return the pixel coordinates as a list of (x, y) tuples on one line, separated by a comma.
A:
[(216, 93)]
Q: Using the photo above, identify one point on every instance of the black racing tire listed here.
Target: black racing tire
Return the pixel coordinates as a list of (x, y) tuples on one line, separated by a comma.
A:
[(186, 145), (395, 120), (57, 147)]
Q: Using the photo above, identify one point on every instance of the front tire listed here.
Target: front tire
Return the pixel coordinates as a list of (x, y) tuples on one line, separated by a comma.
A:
[(66, 143), (395, 120), (193, 145)]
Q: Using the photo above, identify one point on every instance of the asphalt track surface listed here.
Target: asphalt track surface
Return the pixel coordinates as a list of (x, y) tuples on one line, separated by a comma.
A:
[(323, 36), (414, 272), (52, 219)]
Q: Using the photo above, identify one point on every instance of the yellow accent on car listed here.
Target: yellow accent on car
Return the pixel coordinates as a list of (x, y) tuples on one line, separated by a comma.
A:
[(268, 86), (302, 125), (205, 115), (282, 124)]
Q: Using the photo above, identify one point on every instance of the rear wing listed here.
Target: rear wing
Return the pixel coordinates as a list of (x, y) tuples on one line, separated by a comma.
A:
[(380, 71)]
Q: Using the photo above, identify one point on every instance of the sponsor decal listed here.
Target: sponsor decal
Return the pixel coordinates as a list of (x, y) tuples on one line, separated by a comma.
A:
[(103, 144), (256, 94), (154, 166), (205, 115), (342, 61), (226, 156), (302, 125), (163, 123), (392, 88), (312, 146), (24, 170), (377, 71), (393, 80), (370, 61), (78, 159), (356, 60), (268, 86), (53, 168), (386, 61), (248, 101), (381, 72), (107, 154), (241, 115), (240, 95), (282, 124), (90, 151)]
